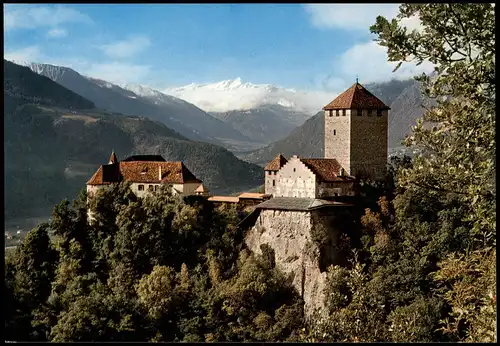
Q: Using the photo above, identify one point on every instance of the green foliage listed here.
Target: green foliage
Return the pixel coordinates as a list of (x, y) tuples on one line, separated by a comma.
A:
[(154, 269), (415, 322), (459, 149), (424, 268)]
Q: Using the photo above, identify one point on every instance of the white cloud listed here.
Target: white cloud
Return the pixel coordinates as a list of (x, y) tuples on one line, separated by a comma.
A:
[(28, 17), (349, 16), (117, 72), (57, 33), (354, 16), (369, 61), (27, 54), (126, 48)]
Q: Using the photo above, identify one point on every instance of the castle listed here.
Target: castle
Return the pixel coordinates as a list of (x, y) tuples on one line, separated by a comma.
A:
[(303, 196), (146, 173), (302, 222)]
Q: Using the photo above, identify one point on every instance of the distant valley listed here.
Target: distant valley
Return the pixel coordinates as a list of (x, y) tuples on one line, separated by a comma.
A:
[(56, 139)]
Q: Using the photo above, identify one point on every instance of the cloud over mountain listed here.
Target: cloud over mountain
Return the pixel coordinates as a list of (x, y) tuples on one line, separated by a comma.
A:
[(235, 94)]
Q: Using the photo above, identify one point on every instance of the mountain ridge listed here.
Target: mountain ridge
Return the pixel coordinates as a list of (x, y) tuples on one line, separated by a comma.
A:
[(183, 117)]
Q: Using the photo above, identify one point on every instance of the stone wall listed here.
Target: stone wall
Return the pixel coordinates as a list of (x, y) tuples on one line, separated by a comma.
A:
[(338, 137), (358, 142), (187, 189), (294, 179), (270, 182), (369, 144), (291, 235), (335, 189), (134, 187)]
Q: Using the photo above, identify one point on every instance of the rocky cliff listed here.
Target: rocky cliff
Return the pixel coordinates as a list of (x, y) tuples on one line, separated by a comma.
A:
[(304, 244)]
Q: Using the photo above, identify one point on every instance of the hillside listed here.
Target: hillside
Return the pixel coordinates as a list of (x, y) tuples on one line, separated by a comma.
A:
[(183, 117), (54, 146), (263, 124), (403, 97), (306, 140)]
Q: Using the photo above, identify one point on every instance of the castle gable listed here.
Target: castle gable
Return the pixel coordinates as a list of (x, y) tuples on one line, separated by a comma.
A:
[(295, 179), (276, 164)]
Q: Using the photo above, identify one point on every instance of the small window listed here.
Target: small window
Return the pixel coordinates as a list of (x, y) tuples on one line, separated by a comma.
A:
[(360, 112), (141, 187), (156, 187), (294, 169), (343, 112), (274, 182), (334, 132), (150, 187), (379, 112), (330, 112), (337, 112)]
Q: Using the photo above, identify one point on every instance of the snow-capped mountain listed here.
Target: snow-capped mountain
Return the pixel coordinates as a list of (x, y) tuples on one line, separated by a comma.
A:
[(230, 95), (152, 94), (181, 116)]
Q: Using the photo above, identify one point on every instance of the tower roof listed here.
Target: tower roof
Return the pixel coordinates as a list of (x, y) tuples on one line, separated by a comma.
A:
[(356, 97), (113, 158), (276, 164)]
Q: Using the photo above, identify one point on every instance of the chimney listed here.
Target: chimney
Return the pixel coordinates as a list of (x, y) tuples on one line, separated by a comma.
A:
[(160, 173), (341, 173)]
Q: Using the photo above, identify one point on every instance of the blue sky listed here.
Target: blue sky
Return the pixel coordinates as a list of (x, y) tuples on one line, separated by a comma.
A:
[(291, 45)]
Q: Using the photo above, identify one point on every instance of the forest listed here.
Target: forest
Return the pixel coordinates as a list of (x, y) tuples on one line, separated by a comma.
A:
[(421, 269)]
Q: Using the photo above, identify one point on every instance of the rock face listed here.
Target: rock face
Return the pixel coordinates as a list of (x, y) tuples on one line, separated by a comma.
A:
[(296, 238)]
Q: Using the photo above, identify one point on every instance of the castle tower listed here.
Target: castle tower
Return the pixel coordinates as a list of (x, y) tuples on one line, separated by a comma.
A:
[(356, 132)]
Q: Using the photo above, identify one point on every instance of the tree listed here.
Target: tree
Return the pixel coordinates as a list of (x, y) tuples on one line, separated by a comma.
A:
[(30, 273), (459, 149)]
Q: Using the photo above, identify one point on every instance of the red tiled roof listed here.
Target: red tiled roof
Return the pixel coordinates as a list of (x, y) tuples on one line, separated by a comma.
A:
[(356, 97), (276, 164), (106, 174), (144, 172), (327, 170)]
